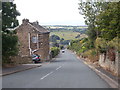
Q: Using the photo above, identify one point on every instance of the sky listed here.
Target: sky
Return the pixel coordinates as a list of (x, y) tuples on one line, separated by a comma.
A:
[(50, 12)]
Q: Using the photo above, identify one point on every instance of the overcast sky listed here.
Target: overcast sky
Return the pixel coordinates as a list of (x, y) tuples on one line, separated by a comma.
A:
[(50, 12)]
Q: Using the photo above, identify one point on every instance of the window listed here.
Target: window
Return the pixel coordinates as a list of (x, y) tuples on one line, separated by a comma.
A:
[(34, 39)]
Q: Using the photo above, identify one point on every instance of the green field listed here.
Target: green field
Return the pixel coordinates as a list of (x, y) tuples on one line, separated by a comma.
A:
[(67, 35)]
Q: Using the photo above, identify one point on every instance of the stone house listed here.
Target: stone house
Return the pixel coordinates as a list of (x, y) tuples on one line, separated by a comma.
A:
[(33, 38)]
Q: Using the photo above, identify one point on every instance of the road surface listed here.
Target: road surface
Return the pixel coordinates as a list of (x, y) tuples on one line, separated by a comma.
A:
[(65, 72)]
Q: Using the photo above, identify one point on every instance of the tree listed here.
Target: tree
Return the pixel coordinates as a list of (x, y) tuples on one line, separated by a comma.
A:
[(55, 44), (65, 42), (108, 21), (90, 10), (61, 39), (103, 20), (9, 14), (54, 38), (9, 39)]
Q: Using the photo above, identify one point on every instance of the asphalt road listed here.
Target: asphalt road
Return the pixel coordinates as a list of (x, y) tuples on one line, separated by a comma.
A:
[(65, 72)]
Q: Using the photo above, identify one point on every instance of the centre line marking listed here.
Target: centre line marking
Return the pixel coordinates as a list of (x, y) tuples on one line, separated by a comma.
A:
[(46, 75), (58, 67), (50, 73)]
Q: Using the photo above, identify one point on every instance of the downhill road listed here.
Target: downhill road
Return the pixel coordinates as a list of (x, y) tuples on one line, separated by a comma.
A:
[(65, 72)]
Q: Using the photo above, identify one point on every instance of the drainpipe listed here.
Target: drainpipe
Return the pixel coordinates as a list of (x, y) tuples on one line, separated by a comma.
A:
[(37, 42), (29, 43)]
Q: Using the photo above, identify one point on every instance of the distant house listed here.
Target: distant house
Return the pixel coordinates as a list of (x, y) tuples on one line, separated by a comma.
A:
[(33, 38)]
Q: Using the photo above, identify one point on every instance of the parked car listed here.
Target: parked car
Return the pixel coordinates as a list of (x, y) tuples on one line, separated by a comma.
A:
[(36, 58)]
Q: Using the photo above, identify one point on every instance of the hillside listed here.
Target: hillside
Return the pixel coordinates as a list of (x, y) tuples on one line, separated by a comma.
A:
[(80, 29), (68, 35)]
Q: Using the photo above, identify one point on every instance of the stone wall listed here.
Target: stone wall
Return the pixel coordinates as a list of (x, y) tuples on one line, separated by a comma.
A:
[(23, 40), (106, 63), (44, 47), (43, 40), (21, 60)]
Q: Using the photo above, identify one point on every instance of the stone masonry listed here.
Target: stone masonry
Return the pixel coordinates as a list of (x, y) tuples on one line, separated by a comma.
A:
[(112, 66), (33, 39)]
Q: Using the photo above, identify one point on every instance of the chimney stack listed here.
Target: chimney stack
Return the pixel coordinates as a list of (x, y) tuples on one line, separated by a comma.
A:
[(25, 21), (36, 23)]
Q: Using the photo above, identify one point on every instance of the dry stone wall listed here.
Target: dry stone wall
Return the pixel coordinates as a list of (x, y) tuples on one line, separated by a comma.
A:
[(110, 65)]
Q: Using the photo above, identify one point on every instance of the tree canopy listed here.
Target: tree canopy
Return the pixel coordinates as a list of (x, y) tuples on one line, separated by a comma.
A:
[(54, 38), (9, 14), (9, 39), (102, 19)]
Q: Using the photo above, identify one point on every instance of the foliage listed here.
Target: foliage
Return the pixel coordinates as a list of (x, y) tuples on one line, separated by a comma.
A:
[(114, 43), (9, 14), (55, 44), (9, 49), (65, 42), (90, 10), (61, 47), (75, 45), (80, 46), (77, 36), (83, 47), (103, 23), (9, 39), (101, 45), (54, 38), (61, 39), (55, 51), (91, 55), (67, 35), (108, 21)]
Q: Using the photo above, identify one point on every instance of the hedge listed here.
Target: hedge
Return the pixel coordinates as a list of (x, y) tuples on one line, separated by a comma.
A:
[(54, 51)]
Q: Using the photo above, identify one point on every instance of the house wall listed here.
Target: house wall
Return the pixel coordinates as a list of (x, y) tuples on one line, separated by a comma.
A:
[(23, 37), (22, 34), (33, 46), (44, 46)]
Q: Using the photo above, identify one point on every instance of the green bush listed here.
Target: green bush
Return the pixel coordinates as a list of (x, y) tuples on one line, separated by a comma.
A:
[(80, 46), (101, 45), (55, 51), (115, 43), (9, 46), (91, 55), (61, 47)]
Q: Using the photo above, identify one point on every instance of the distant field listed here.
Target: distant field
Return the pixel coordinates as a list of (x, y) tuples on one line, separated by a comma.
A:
[(67, 35)]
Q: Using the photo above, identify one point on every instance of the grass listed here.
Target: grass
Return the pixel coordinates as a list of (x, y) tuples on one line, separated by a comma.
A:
[(67, 35)]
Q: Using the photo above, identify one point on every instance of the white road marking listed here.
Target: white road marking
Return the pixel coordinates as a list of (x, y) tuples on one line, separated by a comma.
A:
[(58, 67), (50, 73), (46, 75)]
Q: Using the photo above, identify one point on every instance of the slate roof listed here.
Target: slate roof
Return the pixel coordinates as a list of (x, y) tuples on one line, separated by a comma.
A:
[(34, 25), (39, 28)]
